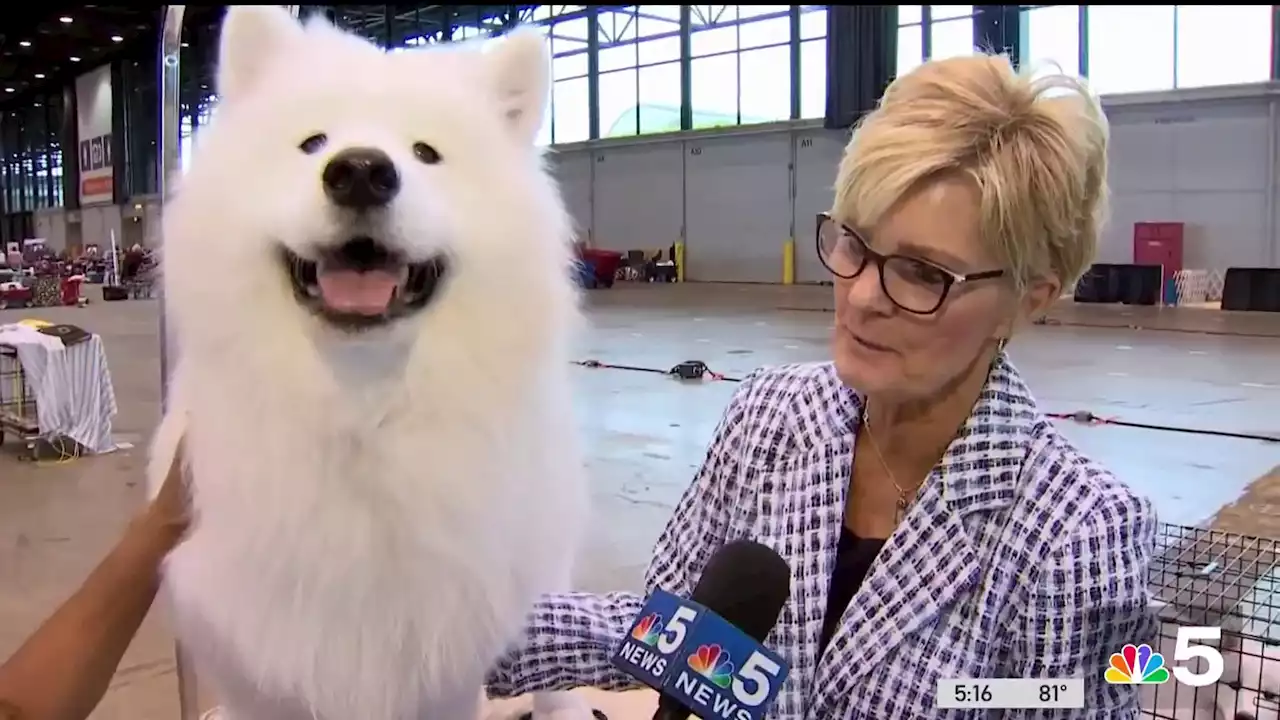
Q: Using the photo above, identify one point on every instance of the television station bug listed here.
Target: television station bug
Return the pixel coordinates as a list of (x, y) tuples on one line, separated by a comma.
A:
[(1010, 694), (1217, 597)]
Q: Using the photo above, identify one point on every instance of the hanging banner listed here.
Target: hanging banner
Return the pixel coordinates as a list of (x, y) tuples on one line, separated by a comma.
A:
[(93, 127)]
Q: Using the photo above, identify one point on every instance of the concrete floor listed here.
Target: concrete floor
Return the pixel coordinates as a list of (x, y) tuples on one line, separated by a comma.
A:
[(646, 433)]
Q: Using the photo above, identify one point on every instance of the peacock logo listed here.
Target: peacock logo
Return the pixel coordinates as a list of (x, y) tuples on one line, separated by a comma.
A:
[(713, 663), (647, 630), (1136, 665)]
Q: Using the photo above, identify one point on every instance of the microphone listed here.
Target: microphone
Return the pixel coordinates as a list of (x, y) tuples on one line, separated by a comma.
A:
[(705, 655)]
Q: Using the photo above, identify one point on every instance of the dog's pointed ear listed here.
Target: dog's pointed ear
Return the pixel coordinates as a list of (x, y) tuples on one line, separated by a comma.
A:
[(252, 36), (520, 65)]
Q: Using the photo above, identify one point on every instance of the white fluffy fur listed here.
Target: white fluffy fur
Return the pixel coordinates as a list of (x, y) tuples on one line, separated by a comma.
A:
[(1255, 667), (373, 514)]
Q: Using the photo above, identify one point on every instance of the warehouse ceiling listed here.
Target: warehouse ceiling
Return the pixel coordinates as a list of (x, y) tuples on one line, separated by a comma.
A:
[(48, 46), (387, 25), (44, 46)]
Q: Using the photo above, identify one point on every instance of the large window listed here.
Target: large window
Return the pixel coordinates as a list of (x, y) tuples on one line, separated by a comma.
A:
[(189, 127), (950, 31), (566, 28), (747, 63), (639, 70), (1222, 44), (570, 109), (1131, 48), (741, 64), (1151, 48), (1052, 39), (31, 165), (910, 38), (928, 32), (813, 61)]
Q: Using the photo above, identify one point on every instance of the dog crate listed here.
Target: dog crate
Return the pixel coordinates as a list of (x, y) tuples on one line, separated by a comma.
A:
[(1213, 579), (17, 400)]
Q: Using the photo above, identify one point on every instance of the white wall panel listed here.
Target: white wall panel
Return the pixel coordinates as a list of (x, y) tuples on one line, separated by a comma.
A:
[(98, 223), (818, 154), (1224, 229), (1142, 157), (639, 196), (51, 226), (1116, 243), (1202, 158), (1222, 154), (572, 171), (1206, 157), (737, 207)]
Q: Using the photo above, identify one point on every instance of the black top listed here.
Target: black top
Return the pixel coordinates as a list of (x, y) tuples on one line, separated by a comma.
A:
[(854, 556)]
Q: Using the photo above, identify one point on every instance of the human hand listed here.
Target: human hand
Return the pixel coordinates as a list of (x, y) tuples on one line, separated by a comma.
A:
[(169, 511)]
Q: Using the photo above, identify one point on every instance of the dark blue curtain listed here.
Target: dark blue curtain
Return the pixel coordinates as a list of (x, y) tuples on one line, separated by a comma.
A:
[(69, 141), (121, 188), (995, 30), (862, 59)]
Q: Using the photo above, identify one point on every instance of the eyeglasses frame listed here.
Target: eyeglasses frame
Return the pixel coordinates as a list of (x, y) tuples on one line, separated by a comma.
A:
[(952, 280)]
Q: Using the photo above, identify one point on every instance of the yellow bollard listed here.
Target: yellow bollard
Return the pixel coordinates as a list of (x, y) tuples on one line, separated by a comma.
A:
[(679, 261), (789, 262)]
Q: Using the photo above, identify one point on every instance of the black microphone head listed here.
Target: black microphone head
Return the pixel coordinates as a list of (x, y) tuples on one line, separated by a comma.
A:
[(747, 584)]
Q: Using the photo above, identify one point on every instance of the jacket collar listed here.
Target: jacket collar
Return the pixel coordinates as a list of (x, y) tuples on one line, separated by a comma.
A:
[(931, 561), (979, 469)]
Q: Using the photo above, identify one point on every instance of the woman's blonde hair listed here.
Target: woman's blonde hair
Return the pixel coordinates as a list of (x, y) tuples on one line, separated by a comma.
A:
[(1035, 147)]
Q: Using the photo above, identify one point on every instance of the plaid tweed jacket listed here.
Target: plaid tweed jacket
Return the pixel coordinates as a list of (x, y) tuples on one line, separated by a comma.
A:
[(1020, 558)]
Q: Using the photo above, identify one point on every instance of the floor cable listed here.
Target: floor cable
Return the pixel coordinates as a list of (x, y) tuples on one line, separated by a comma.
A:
[(697, 371)]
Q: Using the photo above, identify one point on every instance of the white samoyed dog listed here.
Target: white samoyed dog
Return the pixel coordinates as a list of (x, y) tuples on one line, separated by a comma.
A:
[(366, 270)]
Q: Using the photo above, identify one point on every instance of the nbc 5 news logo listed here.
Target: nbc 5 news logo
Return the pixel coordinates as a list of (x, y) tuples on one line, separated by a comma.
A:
[(693, 655), (1140, 665)]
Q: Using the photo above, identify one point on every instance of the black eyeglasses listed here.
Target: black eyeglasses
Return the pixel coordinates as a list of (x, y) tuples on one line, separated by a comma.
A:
[(915, 285)]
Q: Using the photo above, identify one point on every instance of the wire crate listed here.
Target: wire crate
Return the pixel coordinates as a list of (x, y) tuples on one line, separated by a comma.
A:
[(17, 400), (1211, 578)]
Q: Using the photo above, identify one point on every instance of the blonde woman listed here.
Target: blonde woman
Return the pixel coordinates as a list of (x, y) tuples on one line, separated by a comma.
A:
[(936, 524)]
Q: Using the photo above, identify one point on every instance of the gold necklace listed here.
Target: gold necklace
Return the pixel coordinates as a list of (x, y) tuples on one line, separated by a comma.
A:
[(905, 497)]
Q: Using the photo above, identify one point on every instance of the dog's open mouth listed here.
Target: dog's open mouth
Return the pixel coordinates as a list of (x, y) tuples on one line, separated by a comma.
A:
[(361, 283)]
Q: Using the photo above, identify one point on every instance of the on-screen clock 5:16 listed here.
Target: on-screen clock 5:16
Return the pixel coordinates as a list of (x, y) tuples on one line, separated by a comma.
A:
[(1010, 693), (974, 692)]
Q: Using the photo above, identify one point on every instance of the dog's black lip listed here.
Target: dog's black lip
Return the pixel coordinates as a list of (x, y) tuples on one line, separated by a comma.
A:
[(423, 283)]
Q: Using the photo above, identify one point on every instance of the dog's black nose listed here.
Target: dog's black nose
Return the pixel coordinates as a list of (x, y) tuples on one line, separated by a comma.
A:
[(361, 179)]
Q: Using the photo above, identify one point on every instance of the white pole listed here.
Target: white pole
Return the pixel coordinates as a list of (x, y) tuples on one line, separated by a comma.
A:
[(169, 159), (169, 155), (113, 268)]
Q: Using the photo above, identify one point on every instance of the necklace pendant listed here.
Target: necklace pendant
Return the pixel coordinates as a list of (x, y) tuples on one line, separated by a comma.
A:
[(902, 509)]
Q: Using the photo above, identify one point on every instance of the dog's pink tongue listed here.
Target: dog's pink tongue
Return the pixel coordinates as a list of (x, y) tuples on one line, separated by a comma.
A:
[(347, 291)]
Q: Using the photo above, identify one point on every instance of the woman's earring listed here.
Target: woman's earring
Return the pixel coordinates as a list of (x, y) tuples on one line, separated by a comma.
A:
[(1000, 345)]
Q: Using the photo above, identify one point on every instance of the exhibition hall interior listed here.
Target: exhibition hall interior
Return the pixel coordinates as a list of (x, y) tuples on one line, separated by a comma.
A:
[(698, 153)]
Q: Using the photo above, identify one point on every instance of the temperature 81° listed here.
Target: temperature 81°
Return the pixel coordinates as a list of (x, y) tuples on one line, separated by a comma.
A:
[(1053, 693), (1011, 693)]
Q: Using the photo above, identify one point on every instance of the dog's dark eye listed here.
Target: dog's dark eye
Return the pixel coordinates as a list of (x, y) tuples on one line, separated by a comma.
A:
[(426, 153), (313, 143)]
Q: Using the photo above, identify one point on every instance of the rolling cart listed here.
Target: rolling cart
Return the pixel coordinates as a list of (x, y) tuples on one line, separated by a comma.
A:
[(17, 401)]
